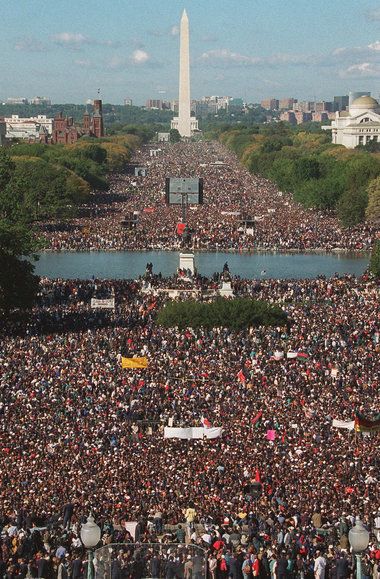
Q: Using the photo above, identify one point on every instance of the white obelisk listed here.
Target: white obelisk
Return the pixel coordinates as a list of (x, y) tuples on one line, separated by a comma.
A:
[(184, 122)]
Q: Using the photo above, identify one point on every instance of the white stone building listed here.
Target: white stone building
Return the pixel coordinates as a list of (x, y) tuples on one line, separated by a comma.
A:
[(358, 125), (27, 128)]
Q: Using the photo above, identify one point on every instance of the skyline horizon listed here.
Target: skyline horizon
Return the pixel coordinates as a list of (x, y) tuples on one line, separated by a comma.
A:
[(143, 105), (126, 57)]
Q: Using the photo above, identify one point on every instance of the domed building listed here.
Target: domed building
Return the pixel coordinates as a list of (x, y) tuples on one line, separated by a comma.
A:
[(358, 125)]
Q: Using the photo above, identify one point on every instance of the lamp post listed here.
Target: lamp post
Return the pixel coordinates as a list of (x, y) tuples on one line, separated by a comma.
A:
[(359, 539), (90, 535)]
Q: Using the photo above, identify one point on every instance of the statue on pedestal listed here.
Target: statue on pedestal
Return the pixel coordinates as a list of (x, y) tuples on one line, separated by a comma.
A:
[(148, 272), (186, 238), (226, 276)]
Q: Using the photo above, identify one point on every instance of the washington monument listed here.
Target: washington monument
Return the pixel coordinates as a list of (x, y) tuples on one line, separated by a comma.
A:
[(185, 123)]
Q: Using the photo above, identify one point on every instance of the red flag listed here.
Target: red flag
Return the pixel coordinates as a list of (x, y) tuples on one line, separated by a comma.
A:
[(206, 423), (180, 228), (240, 376), (257, 417), (257, 476)]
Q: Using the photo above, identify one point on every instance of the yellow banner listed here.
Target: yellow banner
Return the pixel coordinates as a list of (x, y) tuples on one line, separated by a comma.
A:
[(134, 362)]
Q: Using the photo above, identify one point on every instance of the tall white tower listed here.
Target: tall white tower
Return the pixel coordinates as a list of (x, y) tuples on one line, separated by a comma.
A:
[(185, 123)]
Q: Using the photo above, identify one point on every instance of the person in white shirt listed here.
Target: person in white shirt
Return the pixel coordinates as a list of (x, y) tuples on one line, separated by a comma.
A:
[(319, 566), (377, 526)]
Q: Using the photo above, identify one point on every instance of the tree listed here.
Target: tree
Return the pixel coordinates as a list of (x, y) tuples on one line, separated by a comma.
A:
[(175, 137), (373, 207), (351, 207), (6, 168), (371, 146), (307, 168), (18, 284), (374, 264)]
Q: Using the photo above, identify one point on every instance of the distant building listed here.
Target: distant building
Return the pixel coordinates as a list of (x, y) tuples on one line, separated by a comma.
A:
[(127, 102), (357, 126), (65, 131), (288, 117), (323, 106), (270, 104), (163, 137), (213, 103), (158, 104), (296, 117), (154, 104), (341, 102), (285, 104), (303, 106), (96, 123), (27, 128), (40, 101), (17, 101), (322, 116)]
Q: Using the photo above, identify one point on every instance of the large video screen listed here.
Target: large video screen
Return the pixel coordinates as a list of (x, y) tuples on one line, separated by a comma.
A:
[(182, 187)]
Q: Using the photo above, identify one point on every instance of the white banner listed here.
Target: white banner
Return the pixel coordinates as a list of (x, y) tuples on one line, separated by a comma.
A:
[(191, 433), (108, 304), (130, 526), (348, 424)]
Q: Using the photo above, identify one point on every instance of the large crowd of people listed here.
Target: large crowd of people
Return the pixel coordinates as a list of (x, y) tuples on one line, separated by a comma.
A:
[(231, 195), (274, 496)]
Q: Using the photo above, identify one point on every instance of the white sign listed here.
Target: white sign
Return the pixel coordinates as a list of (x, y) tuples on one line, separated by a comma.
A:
[(106, 304), (192, 432), (348, 424)]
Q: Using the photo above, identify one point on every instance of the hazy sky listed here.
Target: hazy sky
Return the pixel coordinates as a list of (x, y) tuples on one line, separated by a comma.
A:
[(253, 49)]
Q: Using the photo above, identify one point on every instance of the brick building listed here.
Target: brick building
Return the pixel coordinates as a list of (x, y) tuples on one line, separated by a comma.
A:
[(287, 103), (270, 104), (66, 132)]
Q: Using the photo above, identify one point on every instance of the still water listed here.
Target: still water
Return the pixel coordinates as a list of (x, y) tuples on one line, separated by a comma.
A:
[(131, 264)]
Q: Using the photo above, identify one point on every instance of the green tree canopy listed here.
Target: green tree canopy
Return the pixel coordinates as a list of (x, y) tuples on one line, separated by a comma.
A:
[(373, 208), (375, 259), (18, 284), (174, 135), (351, 207)]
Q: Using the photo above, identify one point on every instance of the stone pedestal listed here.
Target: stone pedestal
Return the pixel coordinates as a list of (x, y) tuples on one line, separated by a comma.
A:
[(186, 261), (226, 289)]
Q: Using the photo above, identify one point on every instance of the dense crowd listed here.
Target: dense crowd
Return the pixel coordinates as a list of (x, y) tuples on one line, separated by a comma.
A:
[(79, 434), (231, 194)]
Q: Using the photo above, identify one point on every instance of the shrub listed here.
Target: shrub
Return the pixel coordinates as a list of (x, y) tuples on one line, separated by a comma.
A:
[(235, 314)]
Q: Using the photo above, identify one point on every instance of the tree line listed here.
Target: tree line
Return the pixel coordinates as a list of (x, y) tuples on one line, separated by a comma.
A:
[(318, 174), (39, 182)]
